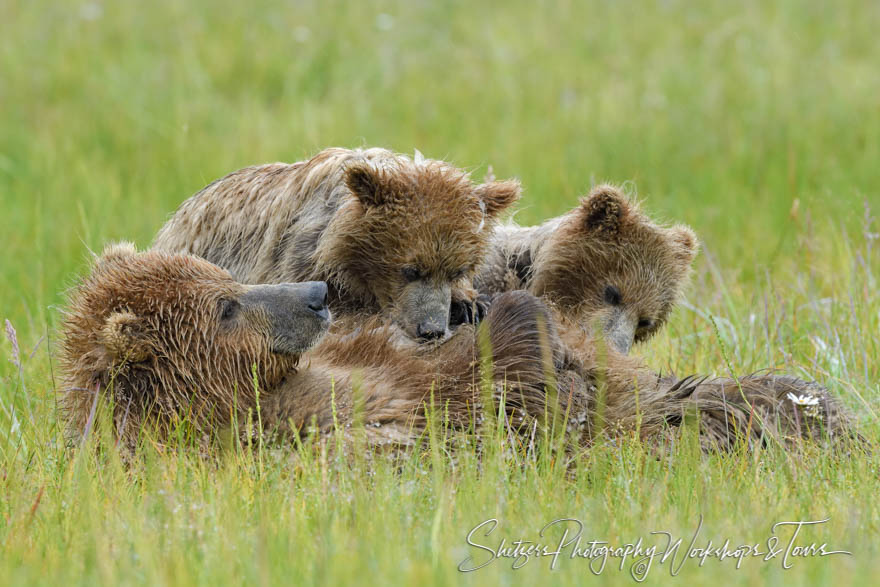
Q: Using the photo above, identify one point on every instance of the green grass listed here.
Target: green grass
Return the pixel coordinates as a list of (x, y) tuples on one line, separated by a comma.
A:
[(757, 123)]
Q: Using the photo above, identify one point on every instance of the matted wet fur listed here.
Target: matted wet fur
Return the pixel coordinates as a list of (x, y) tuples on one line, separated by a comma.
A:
[(152, 332), (603, 264), (144, 329), (754, 411), (167, 352), (758, 410), (390, 235)]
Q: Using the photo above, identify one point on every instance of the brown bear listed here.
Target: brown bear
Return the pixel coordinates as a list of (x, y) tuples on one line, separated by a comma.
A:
[(603, 264), (171, 337), (389, 234), (140, 323)]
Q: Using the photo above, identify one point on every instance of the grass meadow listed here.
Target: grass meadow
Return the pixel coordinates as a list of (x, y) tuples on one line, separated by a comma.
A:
[(757, 123)]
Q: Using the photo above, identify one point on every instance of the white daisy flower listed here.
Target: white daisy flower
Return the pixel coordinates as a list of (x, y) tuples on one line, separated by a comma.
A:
[(803, 400)]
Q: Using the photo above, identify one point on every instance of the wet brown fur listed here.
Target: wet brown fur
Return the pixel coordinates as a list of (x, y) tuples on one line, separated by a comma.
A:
[(753, 411), (353, 218), (540, 364), (572, 260), (143, 329)]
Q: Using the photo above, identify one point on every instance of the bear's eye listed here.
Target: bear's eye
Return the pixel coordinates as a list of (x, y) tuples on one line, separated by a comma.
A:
[(645, 323), (458, 274), (411, 273), (612, 296), (228, 309)]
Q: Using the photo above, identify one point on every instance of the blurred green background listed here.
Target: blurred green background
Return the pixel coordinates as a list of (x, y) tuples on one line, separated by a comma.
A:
[(756, 122), (721, 115)]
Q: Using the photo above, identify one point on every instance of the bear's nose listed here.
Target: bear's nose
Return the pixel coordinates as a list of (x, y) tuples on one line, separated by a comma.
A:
[(316, 297), (430, 331)]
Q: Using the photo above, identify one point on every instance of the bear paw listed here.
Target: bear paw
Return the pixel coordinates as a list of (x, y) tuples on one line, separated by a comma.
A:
[(468, 312)]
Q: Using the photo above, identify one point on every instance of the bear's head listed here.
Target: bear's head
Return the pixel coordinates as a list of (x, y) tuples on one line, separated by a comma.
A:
[(609, 265), (412, 233), (172, 336)]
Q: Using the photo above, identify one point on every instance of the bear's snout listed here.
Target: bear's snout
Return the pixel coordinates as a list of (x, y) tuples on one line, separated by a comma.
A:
[(430, 330), (297, 313), (423, 310), (317, 299)]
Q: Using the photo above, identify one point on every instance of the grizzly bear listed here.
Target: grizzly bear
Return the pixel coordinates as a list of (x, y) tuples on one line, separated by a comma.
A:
[(146, 322), (170, 337), (603, 264), (390, 235)]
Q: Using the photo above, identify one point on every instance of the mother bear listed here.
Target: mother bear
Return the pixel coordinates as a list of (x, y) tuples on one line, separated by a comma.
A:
[(390, 235), (172, 339)]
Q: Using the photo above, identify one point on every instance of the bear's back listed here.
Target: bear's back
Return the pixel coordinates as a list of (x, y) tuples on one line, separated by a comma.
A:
[(262, 223)]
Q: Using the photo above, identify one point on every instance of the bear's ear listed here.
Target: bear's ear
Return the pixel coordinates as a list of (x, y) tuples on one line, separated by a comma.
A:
[(686, 243), (498, 195), (116, 251), (603, 209), (365, 182), (124, 337), (119, 250)]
